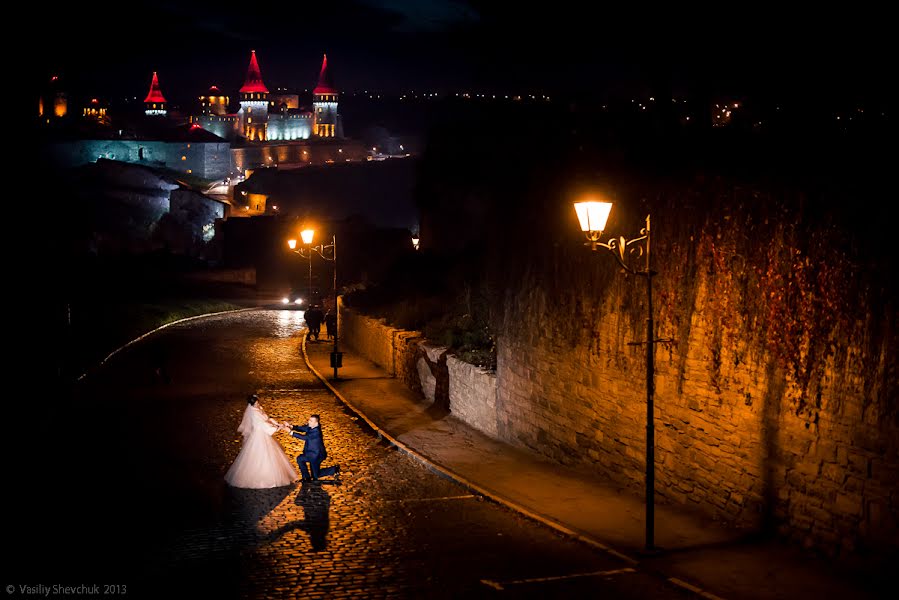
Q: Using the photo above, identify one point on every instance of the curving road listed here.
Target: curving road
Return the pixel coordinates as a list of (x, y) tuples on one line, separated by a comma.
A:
[(130, 492)]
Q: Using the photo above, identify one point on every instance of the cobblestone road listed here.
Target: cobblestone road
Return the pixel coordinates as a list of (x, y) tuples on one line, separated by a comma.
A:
[(137, 495)]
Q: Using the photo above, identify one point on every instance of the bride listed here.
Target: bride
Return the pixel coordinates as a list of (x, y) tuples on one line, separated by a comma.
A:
[(261, 462)]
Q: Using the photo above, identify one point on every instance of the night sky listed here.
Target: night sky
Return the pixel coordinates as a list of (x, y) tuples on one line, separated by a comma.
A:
[(109, 49)]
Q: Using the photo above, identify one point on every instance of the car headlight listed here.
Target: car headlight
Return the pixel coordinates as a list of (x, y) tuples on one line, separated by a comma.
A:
[(298, 301), (285, 300)]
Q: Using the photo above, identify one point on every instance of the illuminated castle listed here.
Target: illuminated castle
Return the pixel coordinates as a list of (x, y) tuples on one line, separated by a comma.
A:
[(272, 117)]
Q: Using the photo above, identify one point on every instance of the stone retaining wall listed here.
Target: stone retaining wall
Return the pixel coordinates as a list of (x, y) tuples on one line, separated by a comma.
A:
[(468, 392)]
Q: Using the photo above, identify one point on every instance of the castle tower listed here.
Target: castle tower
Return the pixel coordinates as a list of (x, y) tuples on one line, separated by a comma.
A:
[(324, 103), (253, 103), (54, 102), (214, 103), (154, 103)]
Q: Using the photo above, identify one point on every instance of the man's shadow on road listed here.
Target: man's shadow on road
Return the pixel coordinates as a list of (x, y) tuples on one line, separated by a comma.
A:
[(316, 503)]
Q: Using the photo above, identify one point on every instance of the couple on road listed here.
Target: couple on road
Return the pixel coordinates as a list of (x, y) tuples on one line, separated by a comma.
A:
[(262, 462)]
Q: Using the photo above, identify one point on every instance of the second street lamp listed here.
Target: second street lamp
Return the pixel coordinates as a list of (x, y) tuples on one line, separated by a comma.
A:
[(593, 216), (329, 253)]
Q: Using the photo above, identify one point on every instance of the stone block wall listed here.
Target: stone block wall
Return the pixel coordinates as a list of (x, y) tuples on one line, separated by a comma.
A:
[(737, 435), (472, 395), (467, 391), (369, 337)]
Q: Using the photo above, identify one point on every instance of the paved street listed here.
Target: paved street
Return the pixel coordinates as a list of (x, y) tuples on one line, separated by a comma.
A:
[(127, 488)]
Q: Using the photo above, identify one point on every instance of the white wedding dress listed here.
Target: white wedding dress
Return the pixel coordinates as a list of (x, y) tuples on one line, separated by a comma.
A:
[(261, 462)]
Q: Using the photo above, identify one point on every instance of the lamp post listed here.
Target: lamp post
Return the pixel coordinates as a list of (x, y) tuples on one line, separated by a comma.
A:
[(593, 216), (307, 235), (322, 250)]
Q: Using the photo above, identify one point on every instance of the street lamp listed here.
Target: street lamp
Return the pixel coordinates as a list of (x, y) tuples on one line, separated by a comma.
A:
[(593, 216), (416, 240), (322, 250)]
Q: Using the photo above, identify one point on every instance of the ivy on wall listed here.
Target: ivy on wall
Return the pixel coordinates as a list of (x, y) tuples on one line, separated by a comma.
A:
[(783, 282)]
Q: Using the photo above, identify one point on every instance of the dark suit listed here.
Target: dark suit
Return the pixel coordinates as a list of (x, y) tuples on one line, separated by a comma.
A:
[(313, 451)]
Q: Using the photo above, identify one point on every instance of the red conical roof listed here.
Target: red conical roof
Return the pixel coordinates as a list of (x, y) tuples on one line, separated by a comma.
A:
[(254, 77), (154, 95), (324, 80)]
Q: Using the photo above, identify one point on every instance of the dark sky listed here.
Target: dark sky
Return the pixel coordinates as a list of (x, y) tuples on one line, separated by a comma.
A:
[(110, 49)]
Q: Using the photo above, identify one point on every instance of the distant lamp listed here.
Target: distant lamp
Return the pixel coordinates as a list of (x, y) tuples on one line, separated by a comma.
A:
[(593, 216), (415, 241), (292, 244), (307, 235)]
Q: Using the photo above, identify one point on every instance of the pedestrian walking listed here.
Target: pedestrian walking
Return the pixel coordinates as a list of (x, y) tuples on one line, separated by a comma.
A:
[(314, 318), (331, 324)]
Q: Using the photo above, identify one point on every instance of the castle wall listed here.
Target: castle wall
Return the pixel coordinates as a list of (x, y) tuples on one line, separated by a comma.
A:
[(295, 154), (289, 127), (225, 127), (206, 160)]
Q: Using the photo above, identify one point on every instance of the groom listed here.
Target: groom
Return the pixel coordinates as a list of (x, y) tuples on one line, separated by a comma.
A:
[(313, 450)]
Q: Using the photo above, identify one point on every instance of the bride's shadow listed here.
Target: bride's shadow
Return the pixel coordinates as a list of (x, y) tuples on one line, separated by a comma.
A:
[(316, 503), (254, 504)]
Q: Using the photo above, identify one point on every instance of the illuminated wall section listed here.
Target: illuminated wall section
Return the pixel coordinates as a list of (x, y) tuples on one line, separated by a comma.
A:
[(225, 126), (60, 105), (290, 127)]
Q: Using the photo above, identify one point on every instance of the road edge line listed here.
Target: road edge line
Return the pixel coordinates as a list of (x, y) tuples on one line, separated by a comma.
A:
[(160, 328)]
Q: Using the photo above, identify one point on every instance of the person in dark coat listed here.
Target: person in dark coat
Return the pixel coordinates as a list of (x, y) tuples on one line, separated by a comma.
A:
[(313, 449), (331, 324), (314, 318)]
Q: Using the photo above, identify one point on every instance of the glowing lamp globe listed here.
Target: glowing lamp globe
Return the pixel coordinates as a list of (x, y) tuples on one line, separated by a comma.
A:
[(593, 216), (292, 244), (307, 234)]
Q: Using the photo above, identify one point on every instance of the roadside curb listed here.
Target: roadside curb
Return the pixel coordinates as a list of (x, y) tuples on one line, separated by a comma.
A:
[(497, 497), (160, 328), (462, 480)]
